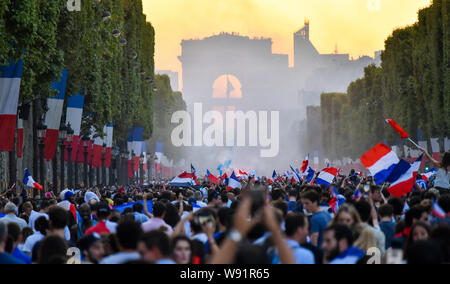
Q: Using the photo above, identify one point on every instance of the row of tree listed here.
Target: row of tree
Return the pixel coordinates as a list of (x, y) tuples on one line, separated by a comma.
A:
[(107, 46), (412, 86)]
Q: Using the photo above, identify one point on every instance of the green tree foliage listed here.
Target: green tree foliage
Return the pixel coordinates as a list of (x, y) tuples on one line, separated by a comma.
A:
[(166, 102), (116, 79), (412, 86)]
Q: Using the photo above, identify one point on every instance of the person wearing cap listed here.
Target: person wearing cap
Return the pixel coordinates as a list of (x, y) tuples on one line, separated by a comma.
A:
[(92, 248), (10, 211)]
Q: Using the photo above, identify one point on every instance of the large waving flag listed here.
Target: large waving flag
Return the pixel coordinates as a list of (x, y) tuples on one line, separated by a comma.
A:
[(29, 181), (53, 116), (10, 77), (233, 182), (183, 180), (109, 143), (19, 138), (316, 160), (403, 177), (211, 177), (326, 176), (380, 161), (397, 128), (74, 114), (97, 152)]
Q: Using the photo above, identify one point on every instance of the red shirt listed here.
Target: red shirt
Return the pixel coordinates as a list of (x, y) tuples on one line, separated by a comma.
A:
[(100, 228)]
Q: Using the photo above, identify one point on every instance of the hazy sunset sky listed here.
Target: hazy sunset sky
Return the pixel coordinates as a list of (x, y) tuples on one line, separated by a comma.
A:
[(358, 27)]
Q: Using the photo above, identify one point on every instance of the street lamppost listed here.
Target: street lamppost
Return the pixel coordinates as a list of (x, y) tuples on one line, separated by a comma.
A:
[(103, 165), (62, 138), (149, 156), (85, 140), (124, 165), (141, 169), (114, 166), (41, 133), (70, 133), (132, 166)]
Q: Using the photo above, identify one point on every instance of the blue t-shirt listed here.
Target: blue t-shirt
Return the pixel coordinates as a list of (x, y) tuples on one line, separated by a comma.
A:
[(6, 258), (319, 223), (388, 228), (20, 255), (2, 215)]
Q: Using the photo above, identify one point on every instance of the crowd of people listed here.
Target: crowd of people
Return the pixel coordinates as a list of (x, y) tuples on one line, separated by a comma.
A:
[(276, 222)]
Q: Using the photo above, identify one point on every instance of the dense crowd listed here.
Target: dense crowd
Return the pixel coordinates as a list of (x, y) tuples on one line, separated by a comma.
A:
[(264, 222)]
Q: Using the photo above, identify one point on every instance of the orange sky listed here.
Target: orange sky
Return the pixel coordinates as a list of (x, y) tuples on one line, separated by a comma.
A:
[(356, 26)]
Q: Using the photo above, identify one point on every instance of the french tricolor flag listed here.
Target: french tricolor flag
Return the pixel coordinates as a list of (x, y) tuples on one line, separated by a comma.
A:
[(309, 174), (10, 77), (243, 174), (19, 137), (296, 177), (183, 180), (53, 116), (438, 212), (316, 160), (326, 176), (357, 195), (97, 152), (109, 130), (233, 182), (74, 114), (403, 177), (380, 161), (305, 164), (29, 181), (211, 177)]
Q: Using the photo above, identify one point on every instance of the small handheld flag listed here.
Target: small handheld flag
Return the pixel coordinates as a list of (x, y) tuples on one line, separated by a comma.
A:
[(29, 181)]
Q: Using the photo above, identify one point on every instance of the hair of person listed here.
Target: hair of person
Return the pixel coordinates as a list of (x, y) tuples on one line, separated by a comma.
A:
[(225, 216), (413, 213), (397, 204), (386, 210), (157, 239), (41, 225), (349, 209), (312, 196), (138, 207), (282, 206), (365, 238), (172, 217), (293, 222), (424, 252), (159, 209), (441, 234), (341, 232), (52, 247), (177, 239), (276, 194), (58, 217), (445, 161), (14, 231), (128, 234), (364, 210)]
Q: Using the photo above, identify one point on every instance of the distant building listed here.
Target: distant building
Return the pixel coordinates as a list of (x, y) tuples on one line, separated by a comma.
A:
[(174, 81)]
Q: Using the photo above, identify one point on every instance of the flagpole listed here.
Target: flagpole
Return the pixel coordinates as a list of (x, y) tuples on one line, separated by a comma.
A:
[(415, 144)]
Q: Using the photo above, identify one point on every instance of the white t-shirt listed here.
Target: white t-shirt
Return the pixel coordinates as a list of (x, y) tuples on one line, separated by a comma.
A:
[(31, 241), (33, 217), (442, 179)]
